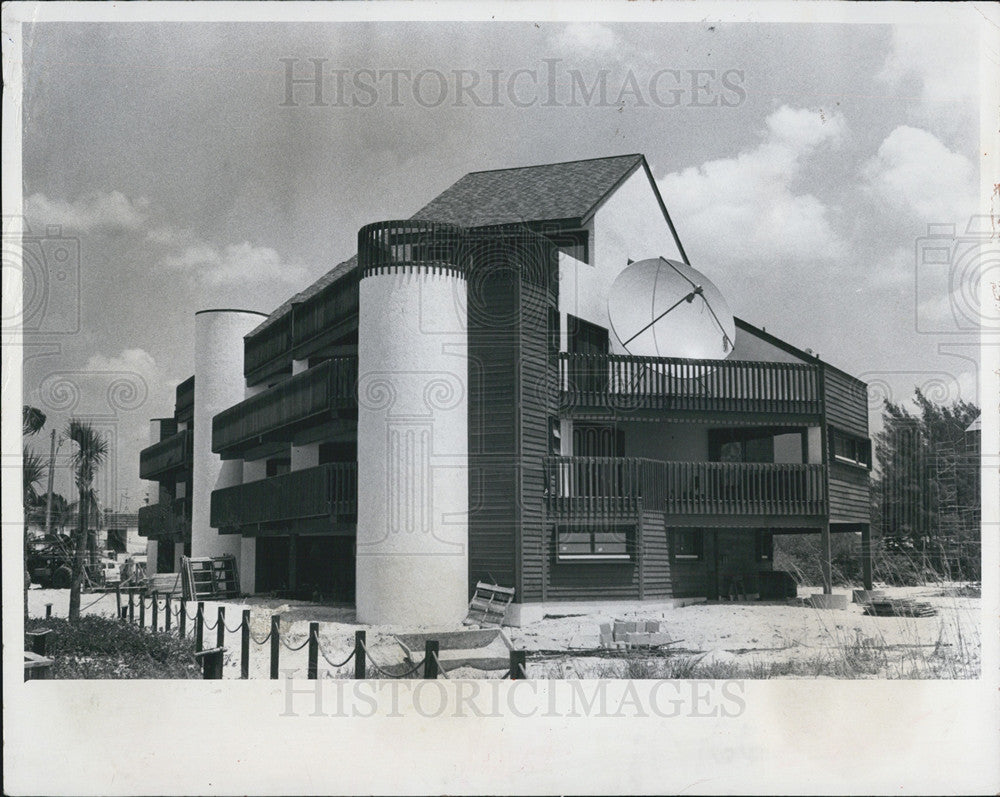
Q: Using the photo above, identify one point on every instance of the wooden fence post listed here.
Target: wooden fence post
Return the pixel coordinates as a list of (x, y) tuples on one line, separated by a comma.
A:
[(199, 626), (211, 663), (312, 672), (183, 618), (166, 612), (220, 631), (245, 646), (275, 646), (118, 601), (39, 641), (48, 611), (131, 606), (430, 659), (359, 655), (518, 665), (156, 613), (142, 608)]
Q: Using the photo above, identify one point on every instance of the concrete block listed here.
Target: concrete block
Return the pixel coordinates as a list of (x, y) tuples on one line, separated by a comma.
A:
[(866, 595), (621, 629), (652, 626), (659, 639), (638, 639), (819, 600)]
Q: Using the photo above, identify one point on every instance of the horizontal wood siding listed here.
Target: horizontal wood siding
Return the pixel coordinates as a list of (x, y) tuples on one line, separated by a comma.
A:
[(846, 402), (656, 581), (727, 553), (850, 494)]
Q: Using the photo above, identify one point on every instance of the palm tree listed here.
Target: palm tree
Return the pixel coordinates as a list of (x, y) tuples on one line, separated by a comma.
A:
[(33, 471), (32, 420), (91, 452)]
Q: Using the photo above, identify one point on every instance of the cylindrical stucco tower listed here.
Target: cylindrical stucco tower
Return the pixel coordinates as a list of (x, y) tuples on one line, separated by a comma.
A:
[(413, 503), (218, 384)]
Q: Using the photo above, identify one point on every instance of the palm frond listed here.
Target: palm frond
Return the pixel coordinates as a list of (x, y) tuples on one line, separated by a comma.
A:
[(32, 420), (34, 472)]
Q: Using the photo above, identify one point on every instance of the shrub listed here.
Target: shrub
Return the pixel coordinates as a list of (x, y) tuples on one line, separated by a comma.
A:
[(99, 647)]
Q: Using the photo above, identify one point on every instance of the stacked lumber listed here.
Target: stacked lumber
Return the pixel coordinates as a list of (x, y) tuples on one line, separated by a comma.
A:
[(164, 584), (899, 607), (636, 634)]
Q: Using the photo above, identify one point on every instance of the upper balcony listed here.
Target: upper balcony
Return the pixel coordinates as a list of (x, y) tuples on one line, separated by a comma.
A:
[(278, 413), (184, 404), (602, 385), (581, 488), (160, 460), (167, 521), (326, 494)]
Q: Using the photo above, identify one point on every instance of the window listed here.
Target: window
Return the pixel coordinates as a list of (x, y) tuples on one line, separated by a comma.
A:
[(594, 542), (686, 544), (575, 243), (764, 546), (850, 448), (555, 436)]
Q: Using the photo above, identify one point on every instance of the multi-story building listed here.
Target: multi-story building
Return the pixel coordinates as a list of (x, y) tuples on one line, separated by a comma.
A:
[(448, 406)]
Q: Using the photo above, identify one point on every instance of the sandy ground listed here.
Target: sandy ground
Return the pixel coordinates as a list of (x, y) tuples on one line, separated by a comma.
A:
[(723, 632)]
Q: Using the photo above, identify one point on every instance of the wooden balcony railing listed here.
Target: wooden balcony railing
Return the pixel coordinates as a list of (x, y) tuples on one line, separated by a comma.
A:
[(171, 519), (184, 406), (273, 414), (603, 485), (327, 310), (623, 383), (168, 455), (329, 490), (272, 343)]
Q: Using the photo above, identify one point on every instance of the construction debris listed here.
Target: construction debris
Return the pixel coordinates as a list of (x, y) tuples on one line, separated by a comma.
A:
[(635, 634), (489, 604), (899, 607)]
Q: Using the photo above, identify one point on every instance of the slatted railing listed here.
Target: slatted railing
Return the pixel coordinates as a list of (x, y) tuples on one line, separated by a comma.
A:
[(329, 490), (165, 519), (273, 342), (615, 486), (332, 306), (319, 391), (621, 382), (167, 455)]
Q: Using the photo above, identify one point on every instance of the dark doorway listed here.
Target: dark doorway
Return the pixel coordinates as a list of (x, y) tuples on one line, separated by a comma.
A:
[(164, 557), (271, 567), (318, 568)]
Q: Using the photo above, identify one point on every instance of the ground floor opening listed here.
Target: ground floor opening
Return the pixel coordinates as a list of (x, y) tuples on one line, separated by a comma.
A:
[(307, 567)]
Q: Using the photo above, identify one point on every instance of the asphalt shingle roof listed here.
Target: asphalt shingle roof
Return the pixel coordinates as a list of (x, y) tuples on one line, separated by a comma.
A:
[(554, 191)]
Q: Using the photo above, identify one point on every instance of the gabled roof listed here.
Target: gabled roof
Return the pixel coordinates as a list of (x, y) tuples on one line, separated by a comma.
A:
[(553, 191), (565, 192)]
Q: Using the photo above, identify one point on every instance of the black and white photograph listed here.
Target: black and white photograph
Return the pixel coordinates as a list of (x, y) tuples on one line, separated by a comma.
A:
[(629, 370)]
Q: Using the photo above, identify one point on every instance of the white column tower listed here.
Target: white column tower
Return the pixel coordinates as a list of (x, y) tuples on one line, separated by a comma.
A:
[(412, 544), (218, 384)]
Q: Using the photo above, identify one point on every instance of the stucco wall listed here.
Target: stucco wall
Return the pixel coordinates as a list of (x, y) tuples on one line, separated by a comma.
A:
[(412, 543)]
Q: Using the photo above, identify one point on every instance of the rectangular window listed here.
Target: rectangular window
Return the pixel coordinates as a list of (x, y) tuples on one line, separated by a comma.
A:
[(686, 544), (850, 448), (613, 543)]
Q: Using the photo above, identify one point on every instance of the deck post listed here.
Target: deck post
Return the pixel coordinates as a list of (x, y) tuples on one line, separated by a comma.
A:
[(827, 556), (48, 608), (518, 665), (866, 555), (275, 646), (156, 613), (430, 659), (220, 631), (131, 606), (313, 649), (199, 626), (245, 645), (359, 655), (166, 612), (118, 601), (182, 616)]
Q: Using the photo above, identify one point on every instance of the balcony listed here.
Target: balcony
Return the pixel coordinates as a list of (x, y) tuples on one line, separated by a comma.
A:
[(165, 457), (579, 487), (268, 347), (325, 317), (278, 412), (168, 521), (327, 493), (617, 384), (184, 406)]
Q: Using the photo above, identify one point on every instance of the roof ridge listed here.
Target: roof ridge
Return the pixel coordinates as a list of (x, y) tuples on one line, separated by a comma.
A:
[(556, 163)]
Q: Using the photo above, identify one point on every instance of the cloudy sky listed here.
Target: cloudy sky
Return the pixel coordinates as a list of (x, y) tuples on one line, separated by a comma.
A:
[(802, 165)]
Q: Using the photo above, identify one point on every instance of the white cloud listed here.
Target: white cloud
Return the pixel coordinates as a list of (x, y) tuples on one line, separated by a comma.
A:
[(110, 212), (749, 198), (913, 171), (944, 61), (235, 263)]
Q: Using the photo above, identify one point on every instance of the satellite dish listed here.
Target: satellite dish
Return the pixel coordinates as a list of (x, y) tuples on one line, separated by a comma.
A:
[(662, 308)]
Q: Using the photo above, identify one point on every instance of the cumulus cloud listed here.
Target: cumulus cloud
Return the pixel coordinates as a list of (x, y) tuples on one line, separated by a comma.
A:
[(943, 67), (915, 172), (750, 198), (234, 263), (108, 212), (590, 38)]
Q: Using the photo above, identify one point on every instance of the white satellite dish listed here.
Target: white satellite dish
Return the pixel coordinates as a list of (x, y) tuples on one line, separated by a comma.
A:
[(662, 308)]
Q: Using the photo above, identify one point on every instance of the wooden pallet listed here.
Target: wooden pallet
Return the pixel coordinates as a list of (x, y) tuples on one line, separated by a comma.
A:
[(899, 607), (489, 604), (210, 577)]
